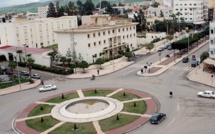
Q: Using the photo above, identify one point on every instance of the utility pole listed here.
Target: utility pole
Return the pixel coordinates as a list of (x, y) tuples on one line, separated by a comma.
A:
[(73, 43), (20, 88)]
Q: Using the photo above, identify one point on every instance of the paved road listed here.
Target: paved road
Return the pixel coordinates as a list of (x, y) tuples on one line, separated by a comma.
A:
[(186, 113)]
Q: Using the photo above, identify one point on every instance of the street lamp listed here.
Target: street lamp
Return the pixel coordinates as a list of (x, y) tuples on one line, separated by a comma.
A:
[(18, 70), (188, 35), (149, 64), (174, 55)]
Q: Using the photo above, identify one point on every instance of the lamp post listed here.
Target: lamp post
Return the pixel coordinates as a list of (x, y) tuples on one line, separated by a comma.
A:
[(174, 55), (73, 43), (18, 70), (188, 35)]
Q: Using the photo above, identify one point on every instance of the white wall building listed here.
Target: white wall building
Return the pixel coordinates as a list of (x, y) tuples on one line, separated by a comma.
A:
[(212, 40), (31, 16), (151, 36), (37, 33), (95, 40), (42, 11), (193, 11), (167, 11)]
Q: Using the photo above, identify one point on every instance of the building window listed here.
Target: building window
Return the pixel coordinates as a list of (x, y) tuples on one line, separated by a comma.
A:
[(95, 55), (99, 42), (88, 36), (113, 31), (133, 27), (130, 35), (127, 36), (104, 41), (123, 29), (108, 32), (99, 34), (134, 34), (94, 35), (212, 42), (127, 29), (123, 37), (103, 33), (89, 45), (94, 44), (119, 30), (211, 52), (130, 28), (185, 4), (212, 31)]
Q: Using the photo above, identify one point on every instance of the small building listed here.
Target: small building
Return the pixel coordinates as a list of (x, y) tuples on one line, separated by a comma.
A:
[(39, 55), (151, 36), (151, 21), (156, 12)]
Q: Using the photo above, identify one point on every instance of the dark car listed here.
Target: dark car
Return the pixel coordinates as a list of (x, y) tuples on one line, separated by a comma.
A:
[(36, 76), (160, 49), (157, 118), (24, 73), (185, 60)]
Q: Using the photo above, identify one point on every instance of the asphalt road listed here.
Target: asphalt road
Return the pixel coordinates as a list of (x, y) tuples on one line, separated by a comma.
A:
[(186, 113)]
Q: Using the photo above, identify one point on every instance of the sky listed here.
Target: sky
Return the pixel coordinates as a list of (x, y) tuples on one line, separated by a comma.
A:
[(4, 3)]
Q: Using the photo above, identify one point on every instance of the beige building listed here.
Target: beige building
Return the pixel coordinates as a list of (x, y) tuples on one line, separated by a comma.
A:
[(98, 40), (36, 33), (151, 20)]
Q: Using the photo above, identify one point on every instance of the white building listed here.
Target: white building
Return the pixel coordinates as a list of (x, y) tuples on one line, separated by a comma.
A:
[(212, 40), (151, 36), (31, 16), (193, 11), (42, 11), (35, 34), (97, 40), (167, 12)]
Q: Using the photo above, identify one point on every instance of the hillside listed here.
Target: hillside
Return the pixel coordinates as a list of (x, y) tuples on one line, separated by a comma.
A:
[(32, 7)]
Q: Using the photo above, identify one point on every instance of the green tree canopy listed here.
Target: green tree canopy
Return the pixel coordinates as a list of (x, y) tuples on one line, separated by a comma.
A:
[(150, 46), (100, 61), (83, 64), (128, 55), (51, 10), (109, 9), (29, 63), (204, 55)]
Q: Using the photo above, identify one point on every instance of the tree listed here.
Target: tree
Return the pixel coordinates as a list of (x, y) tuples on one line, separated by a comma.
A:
[(89, 7), (100, 61), (178, 14), (150, 46), (52, 55), (3, 20), (58, 9), (69, 56), (29, 63), (19, 52), (109, 9), (128, 55), (83, 64), (72, 9), (80, 7), (204, 55), (103, 4), (51, 10), (170, 37), (63, 60), (12, 65), (74, 58), (155, 4)]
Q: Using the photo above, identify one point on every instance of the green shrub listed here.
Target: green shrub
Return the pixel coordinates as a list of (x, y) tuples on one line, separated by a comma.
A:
[(2, 58)]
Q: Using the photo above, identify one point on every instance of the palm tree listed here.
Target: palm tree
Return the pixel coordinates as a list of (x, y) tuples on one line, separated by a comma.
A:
[(19, 52), (178, 14), (52, 55), (29, 63), (12, 65)]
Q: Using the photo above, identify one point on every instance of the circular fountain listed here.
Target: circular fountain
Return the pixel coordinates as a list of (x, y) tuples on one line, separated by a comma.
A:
[(86, 109)]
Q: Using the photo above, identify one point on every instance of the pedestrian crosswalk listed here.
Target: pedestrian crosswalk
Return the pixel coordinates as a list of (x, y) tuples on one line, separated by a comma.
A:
[(181, 68)]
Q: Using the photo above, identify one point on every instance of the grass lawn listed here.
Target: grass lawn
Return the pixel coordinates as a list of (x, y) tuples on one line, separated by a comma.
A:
[(48, 123), (37, 110), (51, 46), (68, 128), (97, 92), (112, 122), (5, 85), (66, 97), (123, 96), (140, 107)]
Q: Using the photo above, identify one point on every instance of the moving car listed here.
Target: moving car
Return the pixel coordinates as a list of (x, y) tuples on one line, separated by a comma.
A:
[(194, 63), (24, 73), (157, 118), (36, 76), (160, 49), (207, 94), (185, 60), (47, 88)]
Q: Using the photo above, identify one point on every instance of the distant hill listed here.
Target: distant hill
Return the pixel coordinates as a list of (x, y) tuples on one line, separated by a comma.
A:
[(32, 7)]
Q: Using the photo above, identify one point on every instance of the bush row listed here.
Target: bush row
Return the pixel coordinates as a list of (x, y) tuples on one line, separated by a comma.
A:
[(47, 69)]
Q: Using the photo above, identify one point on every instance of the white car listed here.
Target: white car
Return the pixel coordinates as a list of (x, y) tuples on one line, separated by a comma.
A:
[(47, 88), (207, 94)]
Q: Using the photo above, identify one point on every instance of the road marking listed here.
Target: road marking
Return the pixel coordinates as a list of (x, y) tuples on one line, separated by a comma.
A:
[(171, 122), (178, 107), (3, 111), (13, 126)]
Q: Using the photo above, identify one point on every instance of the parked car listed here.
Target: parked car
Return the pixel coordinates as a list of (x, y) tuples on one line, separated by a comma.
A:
[(207, 94), (185, 60), (157, 118), (36, 76), (24, 73), (194, 63), (160, 49), (47, 88), (169, 47)]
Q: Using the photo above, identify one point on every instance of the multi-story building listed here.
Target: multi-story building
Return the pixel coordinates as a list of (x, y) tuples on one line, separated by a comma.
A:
[(31, 16), (212, 40), (37, 33), (193, 11), (167, 12), (97, 41), (42, 11)]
